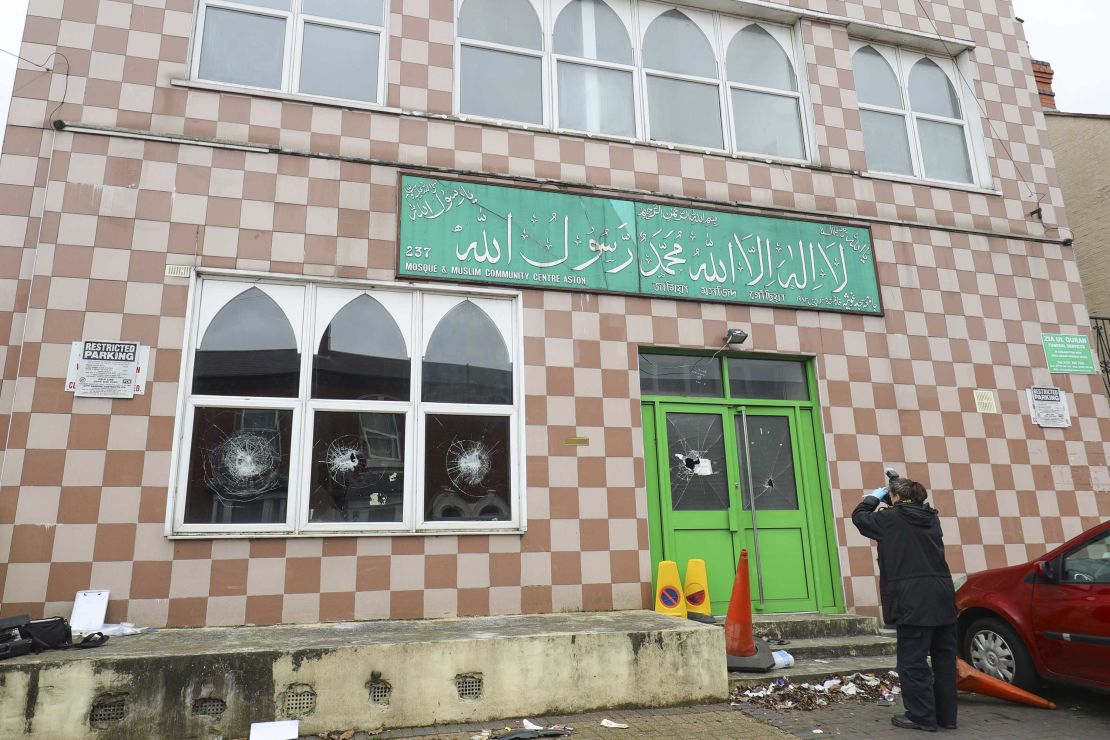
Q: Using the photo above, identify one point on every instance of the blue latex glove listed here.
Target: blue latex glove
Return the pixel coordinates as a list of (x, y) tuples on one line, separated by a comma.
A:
[(879, 493)]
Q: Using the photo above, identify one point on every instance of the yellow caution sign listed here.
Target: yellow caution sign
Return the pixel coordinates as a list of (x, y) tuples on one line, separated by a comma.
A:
[(668, 590), (697, 588)]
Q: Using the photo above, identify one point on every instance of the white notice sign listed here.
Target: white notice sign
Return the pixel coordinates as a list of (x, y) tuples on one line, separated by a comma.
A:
[(107, 369), (1049, 407)]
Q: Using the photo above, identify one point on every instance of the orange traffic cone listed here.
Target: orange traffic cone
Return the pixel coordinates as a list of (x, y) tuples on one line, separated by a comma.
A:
[(744, 651), (977, 682)]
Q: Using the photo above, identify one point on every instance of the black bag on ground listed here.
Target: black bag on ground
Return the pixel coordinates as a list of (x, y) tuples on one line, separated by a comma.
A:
[(52, 633), (12, 643)]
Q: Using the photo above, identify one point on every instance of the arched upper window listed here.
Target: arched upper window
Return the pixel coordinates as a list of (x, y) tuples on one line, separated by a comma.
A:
[(501, 60), (248, 349), (595, 70), (683, 87), (362, 355), (763, 91), (466, 360), (911, 115)]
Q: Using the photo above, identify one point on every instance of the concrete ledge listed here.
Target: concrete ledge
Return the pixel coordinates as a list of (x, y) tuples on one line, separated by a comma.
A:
[(361, 675)]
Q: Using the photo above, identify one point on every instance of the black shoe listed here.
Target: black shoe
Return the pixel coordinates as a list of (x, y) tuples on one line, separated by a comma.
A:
[(908, 724), (948, 727)]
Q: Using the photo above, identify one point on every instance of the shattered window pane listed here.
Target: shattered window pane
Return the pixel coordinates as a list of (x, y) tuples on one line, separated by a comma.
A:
[(358, 467), (466, 468), (680, 375), (696, 452), (239, 469), (467, 360), (774, 380), (248, 350), (362, 355), (773, 481)]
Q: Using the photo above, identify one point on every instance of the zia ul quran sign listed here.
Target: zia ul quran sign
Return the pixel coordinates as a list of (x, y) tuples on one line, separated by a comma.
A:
[(542, 239)]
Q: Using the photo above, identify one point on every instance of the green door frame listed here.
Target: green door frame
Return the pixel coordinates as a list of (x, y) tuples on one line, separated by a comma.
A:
[(812, 473)]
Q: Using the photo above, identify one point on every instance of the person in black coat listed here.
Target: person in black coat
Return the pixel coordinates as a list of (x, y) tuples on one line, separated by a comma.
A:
[(918, 597)]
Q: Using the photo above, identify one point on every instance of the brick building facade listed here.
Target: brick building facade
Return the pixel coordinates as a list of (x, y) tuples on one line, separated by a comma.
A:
[(161, 159)]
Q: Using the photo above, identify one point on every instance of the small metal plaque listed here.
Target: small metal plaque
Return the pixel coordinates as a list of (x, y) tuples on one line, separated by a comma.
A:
[(179, 270), (576, 441)]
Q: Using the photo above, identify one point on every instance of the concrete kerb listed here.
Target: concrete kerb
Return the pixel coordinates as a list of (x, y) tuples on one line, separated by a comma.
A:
[(170, 684)]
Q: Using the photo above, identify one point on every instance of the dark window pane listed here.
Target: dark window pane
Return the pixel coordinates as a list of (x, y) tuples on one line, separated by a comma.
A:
[(696, 453), (239, 466), (362, 355), (467, 360), (466, 469), (680, 375), (358, 467), (772, 483), (775, 380), (248, 350)]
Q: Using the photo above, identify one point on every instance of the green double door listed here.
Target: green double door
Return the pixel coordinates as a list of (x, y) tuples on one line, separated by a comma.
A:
[(729, 475)]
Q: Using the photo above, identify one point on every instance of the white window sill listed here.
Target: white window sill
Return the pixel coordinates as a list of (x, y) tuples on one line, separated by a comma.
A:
[(930, 183), (341, 533), (261, 92)]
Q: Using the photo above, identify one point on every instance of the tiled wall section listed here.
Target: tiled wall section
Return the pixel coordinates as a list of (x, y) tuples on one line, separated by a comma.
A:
[(83, 493)]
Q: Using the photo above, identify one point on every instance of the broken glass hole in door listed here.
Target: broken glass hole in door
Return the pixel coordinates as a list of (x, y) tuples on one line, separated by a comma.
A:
[(773, 483), (696, 454)]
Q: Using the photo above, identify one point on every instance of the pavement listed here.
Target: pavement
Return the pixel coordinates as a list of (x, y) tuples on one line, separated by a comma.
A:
[(1081, 714)]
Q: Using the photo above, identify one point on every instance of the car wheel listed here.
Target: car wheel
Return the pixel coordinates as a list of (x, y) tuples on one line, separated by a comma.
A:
[(991, 646)]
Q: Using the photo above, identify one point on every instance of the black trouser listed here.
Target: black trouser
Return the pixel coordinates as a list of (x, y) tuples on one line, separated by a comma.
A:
[(929, 695)]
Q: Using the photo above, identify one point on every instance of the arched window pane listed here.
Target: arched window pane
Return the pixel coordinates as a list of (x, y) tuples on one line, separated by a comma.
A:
[(767, 124), (249, 349), (674, 43), (755, 58), (591, 30), (931, 91), (875, 80), (886, 142), (596, 99), (466, 360), (501, 84), (944, 151), (362, 355), (509, 22), (684, 112)]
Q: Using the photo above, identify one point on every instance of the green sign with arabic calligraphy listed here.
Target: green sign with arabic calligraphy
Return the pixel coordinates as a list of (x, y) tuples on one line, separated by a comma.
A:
[(543, 239)]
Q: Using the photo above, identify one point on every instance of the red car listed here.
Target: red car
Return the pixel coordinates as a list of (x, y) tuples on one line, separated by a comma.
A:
[(1048, 619)]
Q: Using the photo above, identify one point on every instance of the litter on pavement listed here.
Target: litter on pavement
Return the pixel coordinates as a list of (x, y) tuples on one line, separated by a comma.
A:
[(857, 687), (613, 725)]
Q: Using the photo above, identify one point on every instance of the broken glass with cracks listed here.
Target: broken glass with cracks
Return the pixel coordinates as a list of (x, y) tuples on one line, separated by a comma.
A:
[(466, 468), (680, 375), (467, 360), (773, 481), (358, 467), (362, 355), (239, 469), (248, 349), (696, 452)]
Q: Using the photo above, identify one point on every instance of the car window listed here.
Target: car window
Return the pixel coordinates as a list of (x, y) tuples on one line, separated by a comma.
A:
[(1090, 563)]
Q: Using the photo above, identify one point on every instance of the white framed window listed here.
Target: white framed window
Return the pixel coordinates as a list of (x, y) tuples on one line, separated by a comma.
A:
[(325, 48), (315, 408), (914, 121), (636, 70)]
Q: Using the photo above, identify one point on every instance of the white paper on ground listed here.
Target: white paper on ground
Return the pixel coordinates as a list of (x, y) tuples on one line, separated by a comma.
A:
[(286, 729), (89, 608), (530, 725), (614, 725)]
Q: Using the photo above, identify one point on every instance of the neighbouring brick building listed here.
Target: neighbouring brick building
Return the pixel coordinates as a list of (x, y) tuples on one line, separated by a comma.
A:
[(450, 336)]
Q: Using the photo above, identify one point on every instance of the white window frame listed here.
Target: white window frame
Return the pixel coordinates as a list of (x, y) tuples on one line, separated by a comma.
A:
[(902, 61), (632, 14), (505, 310), (295, 20), (540, 7)]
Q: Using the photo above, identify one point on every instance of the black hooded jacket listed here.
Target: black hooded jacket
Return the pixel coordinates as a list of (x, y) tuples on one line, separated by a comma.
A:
[(915, 585)]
